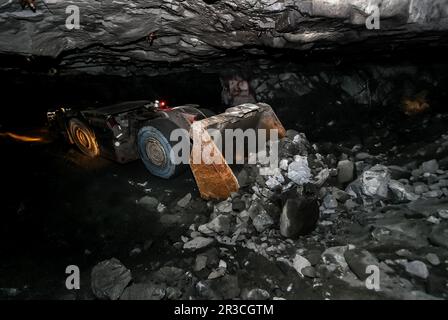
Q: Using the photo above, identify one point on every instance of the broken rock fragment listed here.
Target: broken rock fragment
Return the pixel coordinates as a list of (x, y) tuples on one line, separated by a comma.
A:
[(417, 268), (439, 235), (430, 166), (220, 224), (298, 170), (262, 221), (346, 169), (184, 201), (401, 192), (109, 278), (299, 263), (330, 202), (299, 217), (358, 260), (375, 182), (433, 259), (198, 243), (200, 263), (256, 294)]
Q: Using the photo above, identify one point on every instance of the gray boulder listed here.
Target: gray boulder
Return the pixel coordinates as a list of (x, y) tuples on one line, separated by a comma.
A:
[(439, 235), (149, 203), (256, 294), (401, 192), (358, 260), (262, 221), (299, 217), (346, 169), (417, 268), (109, 278), (375, 181), (430, 166)]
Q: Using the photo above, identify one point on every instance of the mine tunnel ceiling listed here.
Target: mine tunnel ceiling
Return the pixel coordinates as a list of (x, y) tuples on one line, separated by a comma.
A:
[(141, 36)]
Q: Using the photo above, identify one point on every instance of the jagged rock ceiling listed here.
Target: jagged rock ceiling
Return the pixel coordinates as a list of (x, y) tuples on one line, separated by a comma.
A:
[(129, 37)]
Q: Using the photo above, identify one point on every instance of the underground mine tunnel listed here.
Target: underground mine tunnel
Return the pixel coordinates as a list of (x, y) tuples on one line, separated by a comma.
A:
[(352, 99)]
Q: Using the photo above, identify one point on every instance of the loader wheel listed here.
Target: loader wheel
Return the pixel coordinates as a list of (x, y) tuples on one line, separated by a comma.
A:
[(154, 147), (83, 137)]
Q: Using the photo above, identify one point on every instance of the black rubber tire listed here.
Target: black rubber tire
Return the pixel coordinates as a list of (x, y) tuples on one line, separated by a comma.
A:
[(157, 134), (83, 137)]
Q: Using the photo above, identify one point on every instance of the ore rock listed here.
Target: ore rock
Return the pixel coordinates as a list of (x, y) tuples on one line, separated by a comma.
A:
[(109, 278)]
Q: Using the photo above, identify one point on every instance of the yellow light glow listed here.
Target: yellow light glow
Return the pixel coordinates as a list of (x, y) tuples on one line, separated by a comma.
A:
[(416, 105), (21, 137)]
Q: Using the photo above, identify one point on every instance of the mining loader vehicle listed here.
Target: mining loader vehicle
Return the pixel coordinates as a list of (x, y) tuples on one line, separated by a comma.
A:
[(142, 130)]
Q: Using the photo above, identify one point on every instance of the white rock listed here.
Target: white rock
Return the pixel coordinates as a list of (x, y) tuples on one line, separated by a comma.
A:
[(223, 207), (336, 255), (433, 219), (222, 264), (272, 183), (345, 171), (283, 164), (258, 294), (217, 273), (299, 263), (200, 263), (430, 166), (417, 268), (322, 177), (374, 182), (205, 230), (161, 208), (262, 221), (298, 170)]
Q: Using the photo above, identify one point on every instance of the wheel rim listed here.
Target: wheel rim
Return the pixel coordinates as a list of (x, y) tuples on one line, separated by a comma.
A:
[(85, 140), (155, 152)]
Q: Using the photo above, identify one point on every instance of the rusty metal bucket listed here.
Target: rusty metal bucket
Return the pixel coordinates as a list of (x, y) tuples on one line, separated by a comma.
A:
[(211, 171)]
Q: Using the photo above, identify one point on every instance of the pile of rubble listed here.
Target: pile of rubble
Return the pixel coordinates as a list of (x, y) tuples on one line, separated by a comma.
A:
[(323, 219)]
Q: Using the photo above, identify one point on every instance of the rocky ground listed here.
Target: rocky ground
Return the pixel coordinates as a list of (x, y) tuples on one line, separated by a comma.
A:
[(308, 231)]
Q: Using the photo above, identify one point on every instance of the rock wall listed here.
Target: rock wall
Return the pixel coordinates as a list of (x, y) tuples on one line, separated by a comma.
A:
[(128, 37)]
